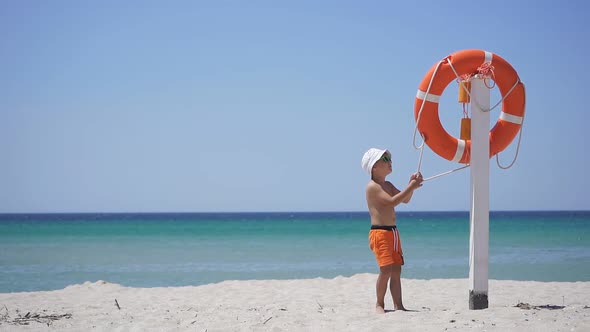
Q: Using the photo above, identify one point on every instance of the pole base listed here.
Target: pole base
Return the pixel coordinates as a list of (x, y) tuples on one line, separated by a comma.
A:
[(478, 301)]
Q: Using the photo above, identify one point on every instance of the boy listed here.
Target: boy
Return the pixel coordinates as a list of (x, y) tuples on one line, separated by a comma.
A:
[(384, 240)]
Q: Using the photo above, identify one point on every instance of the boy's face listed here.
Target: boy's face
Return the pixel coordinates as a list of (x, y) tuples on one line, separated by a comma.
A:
[(383, 165)]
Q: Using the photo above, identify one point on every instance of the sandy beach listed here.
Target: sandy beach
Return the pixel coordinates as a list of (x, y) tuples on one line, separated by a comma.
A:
[(339, 304)]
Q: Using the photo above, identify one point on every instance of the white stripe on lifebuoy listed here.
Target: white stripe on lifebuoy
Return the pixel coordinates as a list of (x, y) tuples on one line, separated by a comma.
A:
[(431, 98), (511, 118), (488, 56), (460, 149)]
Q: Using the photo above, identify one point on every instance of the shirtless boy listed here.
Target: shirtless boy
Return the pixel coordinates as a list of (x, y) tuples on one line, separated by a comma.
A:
[(384, 239)]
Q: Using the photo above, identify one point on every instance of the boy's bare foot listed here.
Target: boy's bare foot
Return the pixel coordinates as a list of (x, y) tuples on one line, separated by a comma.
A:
[(400, 309), (379, 310)]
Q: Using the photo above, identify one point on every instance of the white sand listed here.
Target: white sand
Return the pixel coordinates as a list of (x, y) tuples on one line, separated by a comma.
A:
[(340, 304)]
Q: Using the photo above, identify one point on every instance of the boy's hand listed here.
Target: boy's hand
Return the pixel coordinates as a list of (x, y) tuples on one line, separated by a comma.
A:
[(416, 180), (417, 176)]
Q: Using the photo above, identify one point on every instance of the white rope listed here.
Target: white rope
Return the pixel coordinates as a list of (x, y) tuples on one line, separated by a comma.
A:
[(517, 146), (446, 173), (420, 159), (422, 107), (506, 96)]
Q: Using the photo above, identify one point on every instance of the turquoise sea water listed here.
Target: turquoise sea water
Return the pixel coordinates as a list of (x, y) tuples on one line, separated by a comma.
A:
[(51, 251)]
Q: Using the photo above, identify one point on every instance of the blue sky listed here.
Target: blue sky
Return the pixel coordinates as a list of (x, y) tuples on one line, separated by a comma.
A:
[(205, 106)]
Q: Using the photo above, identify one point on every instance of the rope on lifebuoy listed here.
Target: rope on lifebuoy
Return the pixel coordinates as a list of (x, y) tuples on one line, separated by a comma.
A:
[(469, 93), (421, 147), (486, 70), (421, 108), (517, 146)]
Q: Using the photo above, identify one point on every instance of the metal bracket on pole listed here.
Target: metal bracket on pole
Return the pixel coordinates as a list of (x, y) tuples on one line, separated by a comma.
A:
[(480, 191)]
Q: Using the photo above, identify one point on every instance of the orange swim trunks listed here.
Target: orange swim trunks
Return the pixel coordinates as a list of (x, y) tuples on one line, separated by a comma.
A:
[(386, 244)]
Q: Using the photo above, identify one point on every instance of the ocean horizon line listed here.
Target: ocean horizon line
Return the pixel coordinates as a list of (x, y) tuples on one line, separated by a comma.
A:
[(5, 215), (270, 212)]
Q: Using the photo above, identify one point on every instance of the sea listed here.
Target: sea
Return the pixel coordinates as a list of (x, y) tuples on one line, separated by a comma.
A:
[(40, 252)]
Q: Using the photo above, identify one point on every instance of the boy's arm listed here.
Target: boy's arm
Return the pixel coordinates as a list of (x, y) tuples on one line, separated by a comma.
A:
[(385, 199), (408, 197)]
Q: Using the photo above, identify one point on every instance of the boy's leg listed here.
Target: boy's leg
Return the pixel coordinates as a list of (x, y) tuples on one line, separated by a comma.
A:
[(395, 286), (381, 287)]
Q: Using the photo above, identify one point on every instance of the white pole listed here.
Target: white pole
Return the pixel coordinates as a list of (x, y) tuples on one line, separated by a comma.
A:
[(480, 191)]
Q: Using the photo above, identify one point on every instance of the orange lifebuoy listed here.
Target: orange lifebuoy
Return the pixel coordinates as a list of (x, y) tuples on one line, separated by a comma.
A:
[(467, 62)]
